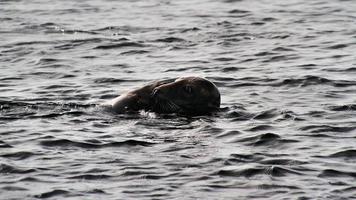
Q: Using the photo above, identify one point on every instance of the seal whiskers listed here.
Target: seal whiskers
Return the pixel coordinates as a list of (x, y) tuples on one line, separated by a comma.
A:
[(165, 105)]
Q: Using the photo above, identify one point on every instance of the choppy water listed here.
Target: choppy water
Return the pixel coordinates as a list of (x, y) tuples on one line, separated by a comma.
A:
[(286, 71)]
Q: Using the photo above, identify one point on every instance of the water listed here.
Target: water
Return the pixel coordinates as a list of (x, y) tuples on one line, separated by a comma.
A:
[(285, 69)]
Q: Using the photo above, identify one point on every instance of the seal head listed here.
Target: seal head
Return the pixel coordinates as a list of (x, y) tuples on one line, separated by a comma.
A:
[(187, 95)]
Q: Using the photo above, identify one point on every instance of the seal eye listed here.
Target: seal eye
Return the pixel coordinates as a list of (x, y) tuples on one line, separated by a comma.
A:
[(188, 89)]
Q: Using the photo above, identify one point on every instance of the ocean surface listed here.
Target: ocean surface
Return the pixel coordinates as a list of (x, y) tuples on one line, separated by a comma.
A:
[(286, 71)]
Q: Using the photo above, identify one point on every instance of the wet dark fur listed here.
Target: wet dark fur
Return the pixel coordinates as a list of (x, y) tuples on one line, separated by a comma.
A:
[(189, 95)]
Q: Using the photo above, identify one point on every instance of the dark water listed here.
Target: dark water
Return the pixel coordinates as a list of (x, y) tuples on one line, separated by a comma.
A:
[(286, 71)]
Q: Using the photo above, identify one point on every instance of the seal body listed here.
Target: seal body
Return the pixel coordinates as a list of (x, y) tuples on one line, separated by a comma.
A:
[(186, 95)]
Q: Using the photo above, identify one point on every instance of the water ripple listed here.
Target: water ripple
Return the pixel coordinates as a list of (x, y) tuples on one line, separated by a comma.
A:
[(285, 71)]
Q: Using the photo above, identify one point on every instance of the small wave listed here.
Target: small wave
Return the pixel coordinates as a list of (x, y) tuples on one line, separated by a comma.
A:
[(230, 69), (235, 35), (268, 114), (232, 1), (4, 144), (348, 189), (228, 134), (41, 105), (282, 49), (280, 58), (51, 75), (242, 158), (57, 114), (96, 191), (279, 161), (126, 29), (283, 36), (177, 69), (336, 173), (50, 87), (18, 155), (345, 154), (132, 52), (265, 139), (71, 44), (31, 179), (337, 46), (119, 45), (190, 29), (6, 18), (245, 172), (170, 40), (45, 61), (250, 172), (349, 69), (14, 170), (264, 53), (174, 148), (155, 175), (244, 84), (238, 115), (91, 177), (222, 78), (224, 59), (14, 188), (11, 79), (269, 19), (276, 186), (52, 193), (238, 11), (114, 80), (260, 128), (305, 81), (70, 143), (69, 31), (347, 107), (313, 80), (27, 43), (326, 128), (257, 23)]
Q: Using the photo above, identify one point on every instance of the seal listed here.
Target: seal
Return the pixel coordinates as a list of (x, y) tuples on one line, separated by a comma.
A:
[(185, 95)]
